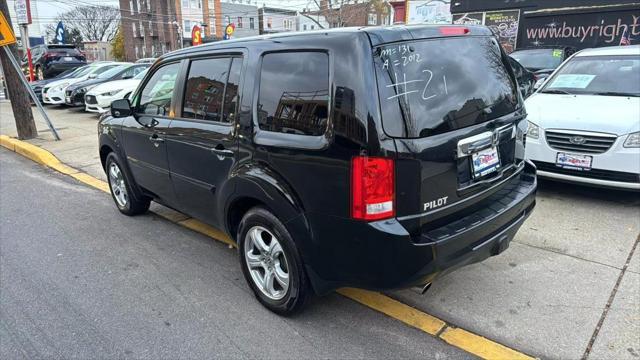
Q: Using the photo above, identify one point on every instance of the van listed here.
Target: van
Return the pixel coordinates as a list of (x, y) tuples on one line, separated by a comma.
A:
[(378, 158)]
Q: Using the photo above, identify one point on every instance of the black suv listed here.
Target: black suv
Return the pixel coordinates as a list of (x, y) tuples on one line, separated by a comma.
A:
[(377, 158), (50, 60)]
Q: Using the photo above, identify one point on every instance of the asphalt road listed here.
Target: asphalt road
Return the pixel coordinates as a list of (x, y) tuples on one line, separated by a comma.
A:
[(80, 280)]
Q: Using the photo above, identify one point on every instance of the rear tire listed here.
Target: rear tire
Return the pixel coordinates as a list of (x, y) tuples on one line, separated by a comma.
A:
[(124, 194), (271, 263)]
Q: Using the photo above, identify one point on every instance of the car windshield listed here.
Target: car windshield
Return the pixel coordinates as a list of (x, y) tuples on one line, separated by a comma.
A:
[(421, 94), (538, 59), (84, 71), (141, 74), (598, 75), (107, 74)]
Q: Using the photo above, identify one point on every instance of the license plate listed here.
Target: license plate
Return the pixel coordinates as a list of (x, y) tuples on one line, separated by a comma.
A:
[(485, 162), (68, 58), (574, 161)]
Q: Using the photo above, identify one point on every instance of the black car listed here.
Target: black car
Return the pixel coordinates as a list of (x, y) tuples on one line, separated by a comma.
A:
[(526, 79), (50, 60), (378, 158), (74, 94), (543, 60)]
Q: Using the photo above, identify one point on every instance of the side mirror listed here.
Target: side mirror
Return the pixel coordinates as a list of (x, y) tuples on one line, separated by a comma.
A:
[(92, 76), (121, 108)]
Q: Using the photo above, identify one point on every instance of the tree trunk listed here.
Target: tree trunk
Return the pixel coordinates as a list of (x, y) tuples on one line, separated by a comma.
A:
[(20, 103)]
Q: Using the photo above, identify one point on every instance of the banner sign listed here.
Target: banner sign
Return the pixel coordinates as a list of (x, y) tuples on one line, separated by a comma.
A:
[(505, 25), (23, 12), (196, 35), (582, 30), (60, 33), (228, 31)]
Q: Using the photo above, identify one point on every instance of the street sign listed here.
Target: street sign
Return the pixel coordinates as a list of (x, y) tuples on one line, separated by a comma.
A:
[(23, 12), (196, 35), (228, 31), (6, 34)]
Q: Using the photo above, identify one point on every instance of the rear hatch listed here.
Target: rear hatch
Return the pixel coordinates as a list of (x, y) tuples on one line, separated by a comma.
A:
[(64, 54), (452, 107)]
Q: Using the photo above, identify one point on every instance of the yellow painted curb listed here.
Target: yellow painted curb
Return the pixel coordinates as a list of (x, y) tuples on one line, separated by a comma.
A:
[(395, 309), (480, 346), (462, 339)]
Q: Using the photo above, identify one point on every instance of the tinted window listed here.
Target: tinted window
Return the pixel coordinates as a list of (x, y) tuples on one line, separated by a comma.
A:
[(294, 93), (108, 74), (429, 87), (538, 59), (155, 98), (205, 88), (611, 75), (231, 92)]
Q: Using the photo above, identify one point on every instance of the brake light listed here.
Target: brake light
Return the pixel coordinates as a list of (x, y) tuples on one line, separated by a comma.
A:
[(454, 30), (372, 188)]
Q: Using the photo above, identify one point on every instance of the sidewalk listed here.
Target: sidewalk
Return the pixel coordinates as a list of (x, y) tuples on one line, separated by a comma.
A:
[(78, 146), (570, 270)]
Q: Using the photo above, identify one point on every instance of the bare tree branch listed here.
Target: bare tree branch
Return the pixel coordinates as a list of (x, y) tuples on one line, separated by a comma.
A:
[(95, 23)]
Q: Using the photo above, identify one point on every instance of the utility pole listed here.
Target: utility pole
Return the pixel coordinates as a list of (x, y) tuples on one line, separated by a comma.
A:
[(20, 104)]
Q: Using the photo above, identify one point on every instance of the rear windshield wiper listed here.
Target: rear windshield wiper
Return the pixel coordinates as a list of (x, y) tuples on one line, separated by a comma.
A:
[(616, 93), (555, 91)]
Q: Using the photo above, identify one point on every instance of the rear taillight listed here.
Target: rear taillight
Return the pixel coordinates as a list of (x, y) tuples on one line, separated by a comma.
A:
[(372, 188), (454, 30)]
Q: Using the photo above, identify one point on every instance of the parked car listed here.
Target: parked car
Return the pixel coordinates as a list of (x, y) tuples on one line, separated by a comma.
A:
[(53, 93), (384, 180), (542, 60), (146, 61), (99, 98), (585, 122), (526, 79), (74, 93), (38, 85), (52, 59)]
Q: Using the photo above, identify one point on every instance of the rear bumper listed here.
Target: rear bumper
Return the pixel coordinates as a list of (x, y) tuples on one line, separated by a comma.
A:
[(383, 255)]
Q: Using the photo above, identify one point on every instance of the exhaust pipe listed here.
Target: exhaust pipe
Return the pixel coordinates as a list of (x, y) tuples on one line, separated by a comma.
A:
[(421, 289)]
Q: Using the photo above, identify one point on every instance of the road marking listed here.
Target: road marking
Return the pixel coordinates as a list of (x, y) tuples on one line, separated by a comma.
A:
[(460, 338)]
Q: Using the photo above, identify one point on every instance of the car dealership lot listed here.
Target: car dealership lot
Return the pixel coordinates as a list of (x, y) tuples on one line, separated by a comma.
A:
[(544, 296)]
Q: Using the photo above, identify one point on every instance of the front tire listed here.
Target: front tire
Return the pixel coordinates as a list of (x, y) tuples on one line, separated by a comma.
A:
[(271, 263), (123, 193)]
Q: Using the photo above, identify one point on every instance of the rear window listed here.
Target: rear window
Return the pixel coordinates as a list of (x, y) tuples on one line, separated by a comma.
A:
[(429, 87), (538, 59)]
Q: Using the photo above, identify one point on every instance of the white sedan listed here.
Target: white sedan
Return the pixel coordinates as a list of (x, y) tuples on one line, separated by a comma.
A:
[(99, 98), (584, 123), (53, 92)]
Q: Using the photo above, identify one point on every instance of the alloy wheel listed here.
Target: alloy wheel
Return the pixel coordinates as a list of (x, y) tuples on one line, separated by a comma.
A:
[(118, 187), (267, 262)]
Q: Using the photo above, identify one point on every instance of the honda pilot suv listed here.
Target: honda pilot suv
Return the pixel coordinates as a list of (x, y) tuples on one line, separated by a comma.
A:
[(377, 158)]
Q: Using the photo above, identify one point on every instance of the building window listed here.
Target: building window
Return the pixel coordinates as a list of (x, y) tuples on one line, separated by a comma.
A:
[(138, 3), (131, 6), (372, 19), (187, 26), (137, 52), (294, 93), (141, 29), (133, 26), (239, 24), (196, 4), (269, 22), (150, 28), (227, 20), (304, 27), (251, 24), (185, 4), (149, 5), (313, 27)]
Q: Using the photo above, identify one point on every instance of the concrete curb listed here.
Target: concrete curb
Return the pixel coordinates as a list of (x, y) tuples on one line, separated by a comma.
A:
[(457, 337)]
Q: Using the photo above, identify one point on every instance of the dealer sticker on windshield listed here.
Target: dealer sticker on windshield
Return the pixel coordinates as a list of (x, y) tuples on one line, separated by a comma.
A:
[(485, 162), (574, 161)]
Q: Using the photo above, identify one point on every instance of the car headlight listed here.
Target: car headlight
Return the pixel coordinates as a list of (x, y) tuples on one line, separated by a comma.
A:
[(533, 131), (633, 140), (60, 87), (110, 93)]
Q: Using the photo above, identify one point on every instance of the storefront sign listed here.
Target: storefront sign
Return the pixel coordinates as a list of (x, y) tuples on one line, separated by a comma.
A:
[(476, 18), (196, 35), (429, 12), (505, 25), (581, 30), (23, 12)]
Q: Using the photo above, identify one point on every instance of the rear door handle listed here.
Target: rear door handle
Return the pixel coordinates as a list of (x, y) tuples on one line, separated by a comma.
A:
[(221, 151)]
